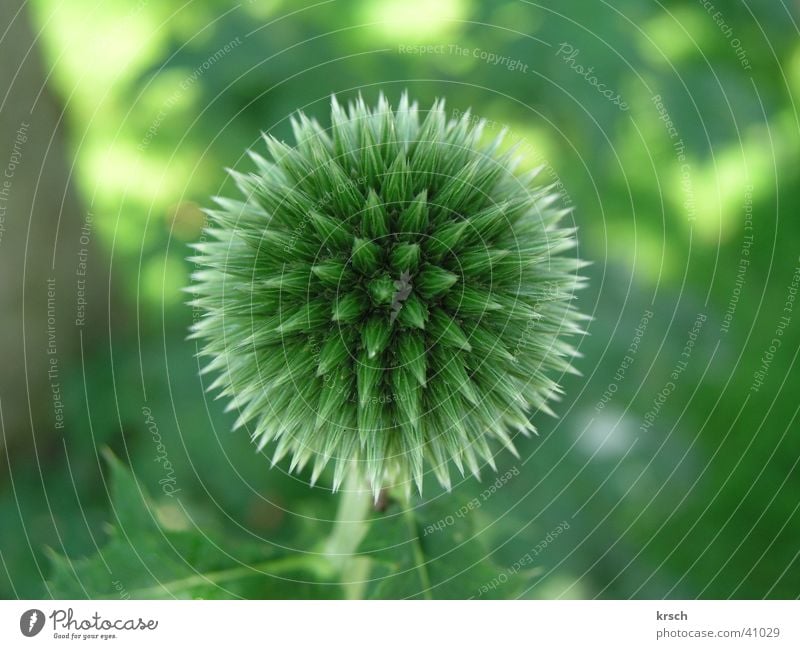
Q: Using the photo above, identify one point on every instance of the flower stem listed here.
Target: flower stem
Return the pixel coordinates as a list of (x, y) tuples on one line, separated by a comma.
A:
[(349, 529), (419, 556)]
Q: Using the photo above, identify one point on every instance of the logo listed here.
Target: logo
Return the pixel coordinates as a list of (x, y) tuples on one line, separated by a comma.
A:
[(31, 622)]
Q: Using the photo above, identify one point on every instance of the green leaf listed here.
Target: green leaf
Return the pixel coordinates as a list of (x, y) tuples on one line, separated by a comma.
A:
[(396, 181), (445, 240), (349, 307), (374, 220), (471, 302), (366, 256), (433, 281), (368, 375), (331, 233), (413, 313), (411, 354), (446, 331), (405, 257), (375, 335), (414, 219), (333, 353), (145, 560), (381, 289), (332, 272)]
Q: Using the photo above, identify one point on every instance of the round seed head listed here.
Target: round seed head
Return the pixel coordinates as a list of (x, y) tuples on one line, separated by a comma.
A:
[(388, 295)]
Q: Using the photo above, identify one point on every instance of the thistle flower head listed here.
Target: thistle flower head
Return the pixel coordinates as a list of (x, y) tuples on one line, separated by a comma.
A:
[(390, 294)]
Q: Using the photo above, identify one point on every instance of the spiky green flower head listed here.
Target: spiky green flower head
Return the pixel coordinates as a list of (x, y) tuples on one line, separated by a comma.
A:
[(390, 295)]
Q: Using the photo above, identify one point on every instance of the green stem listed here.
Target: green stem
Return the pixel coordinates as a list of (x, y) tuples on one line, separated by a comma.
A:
[(313, 563), (353, 518), (419, 555)]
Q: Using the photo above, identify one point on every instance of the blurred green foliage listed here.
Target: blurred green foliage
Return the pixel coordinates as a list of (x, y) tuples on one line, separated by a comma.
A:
[(159, 98)]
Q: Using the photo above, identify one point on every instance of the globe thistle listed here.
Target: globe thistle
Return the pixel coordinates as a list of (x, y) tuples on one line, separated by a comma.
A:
[(390, 293)]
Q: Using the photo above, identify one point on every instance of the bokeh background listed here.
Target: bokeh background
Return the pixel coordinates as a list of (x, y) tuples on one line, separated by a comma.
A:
[(672, 467)]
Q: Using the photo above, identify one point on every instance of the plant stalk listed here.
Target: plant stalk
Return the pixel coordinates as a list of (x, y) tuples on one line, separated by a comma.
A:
[(353, 518), (419, 556)]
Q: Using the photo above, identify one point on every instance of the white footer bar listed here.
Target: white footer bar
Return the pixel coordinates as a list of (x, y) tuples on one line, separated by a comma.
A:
[(385, 625)]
